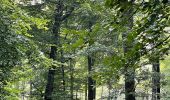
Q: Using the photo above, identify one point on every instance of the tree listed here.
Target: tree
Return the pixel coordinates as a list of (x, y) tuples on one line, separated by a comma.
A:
[(15, 44), (129, 70), (55, 50), (62, 49), (153, 22)]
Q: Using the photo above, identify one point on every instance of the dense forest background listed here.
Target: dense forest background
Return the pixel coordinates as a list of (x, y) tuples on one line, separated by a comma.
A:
[(84, 50)]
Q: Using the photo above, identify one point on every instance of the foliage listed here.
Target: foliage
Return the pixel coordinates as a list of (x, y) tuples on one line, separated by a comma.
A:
[(94, 28)]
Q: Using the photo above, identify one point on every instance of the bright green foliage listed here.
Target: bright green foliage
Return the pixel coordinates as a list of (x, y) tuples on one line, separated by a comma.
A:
[(16, 48), (93, 27)]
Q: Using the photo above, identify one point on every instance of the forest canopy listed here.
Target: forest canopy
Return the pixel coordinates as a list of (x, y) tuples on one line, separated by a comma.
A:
[(84, 49)]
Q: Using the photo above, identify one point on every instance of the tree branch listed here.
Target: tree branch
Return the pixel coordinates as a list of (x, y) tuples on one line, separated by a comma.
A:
[(68, 13)]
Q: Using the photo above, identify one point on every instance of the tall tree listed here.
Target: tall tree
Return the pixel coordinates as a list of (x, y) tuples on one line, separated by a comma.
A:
[(91, 81), (129, 69), (53, 53)]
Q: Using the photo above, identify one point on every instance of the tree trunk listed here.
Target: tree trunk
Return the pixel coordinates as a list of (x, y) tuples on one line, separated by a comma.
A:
[(130, 70), (86, 89), (109, 95), (62, 69), (91, 82), (53, 52), (71, 80), (156, 81), (49, 86), (156, 74), (30, 95), (130, 85)]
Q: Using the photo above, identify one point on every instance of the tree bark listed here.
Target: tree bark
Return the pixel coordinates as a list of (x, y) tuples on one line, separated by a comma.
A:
[(50, 85), (53, 52), (71, 80), (156, 80), (86, 89), (59, 17), (129, 69), (130, 85), (91, 82), (63, 71), (30, 95)]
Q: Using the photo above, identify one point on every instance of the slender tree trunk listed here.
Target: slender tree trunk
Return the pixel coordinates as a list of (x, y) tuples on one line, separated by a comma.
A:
[(23, 88), (86, 89), (156, 76), (109, 87), (91, 82), (156, 80), (109, 95), (71, 80), (30, 95), (53, 52), (62, 69), (101, 93), (130, 71)]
